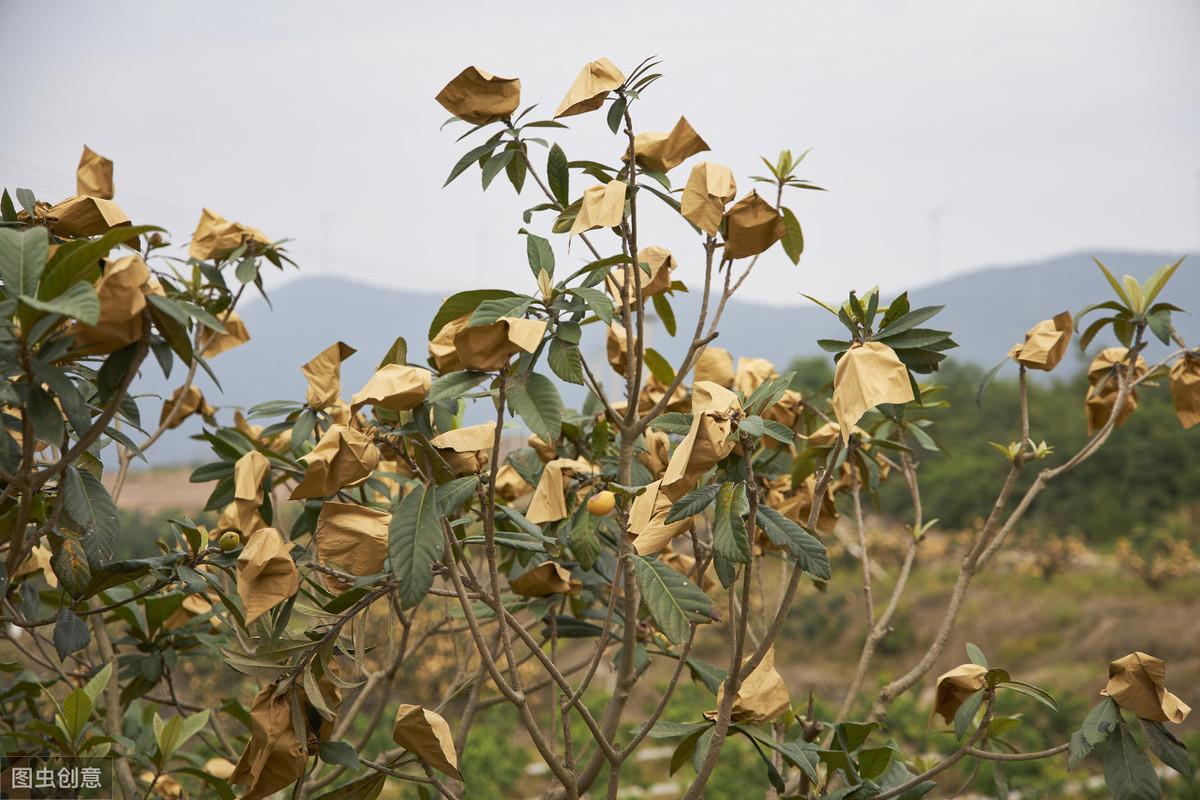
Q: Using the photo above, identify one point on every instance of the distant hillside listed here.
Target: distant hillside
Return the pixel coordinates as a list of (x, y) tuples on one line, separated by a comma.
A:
[(988, 310)]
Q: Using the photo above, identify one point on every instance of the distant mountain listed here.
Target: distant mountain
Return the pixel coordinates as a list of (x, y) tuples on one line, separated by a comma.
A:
[(988, 310)]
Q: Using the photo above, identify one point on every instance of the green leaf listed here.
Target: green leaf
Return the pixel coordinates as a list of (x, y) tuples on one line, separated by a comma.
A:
[(70, 634), (540, 254), (494, 165), (793, 236), (367, 788), (104, 526), (674, 601), (1157, 281), (662, 306), (566, 362), (454, 385), (964, 718), (490, 311), (559, 176), (23, 256), (811, 556), (482, 151), (70, 565), (342, 754), (597, 301), (80, 259), (1114, 283), (976, 655), (616, 113), (76, 709), (536, 401), (729, 530), (659, 367), (1100, 722), (462, 304), (98, 683), (1169, 749), (1077, 750), (415, 544), (1029, 690), (1127, 769), (453, 494), (79, 302), (692, 503), (751, 425), (585, 545), (908, 321)]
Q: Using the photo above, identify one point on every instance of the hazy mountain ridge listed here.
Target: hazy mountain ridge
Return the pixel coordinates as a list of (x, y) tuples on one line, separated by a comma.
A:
[(988, 310)]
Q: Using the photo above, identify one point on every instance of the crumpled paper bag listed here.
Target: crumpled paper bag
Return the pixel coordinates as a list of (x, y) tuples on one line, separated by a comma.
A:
[(324, 375), (94, 175), (661, 264), (867, 375), (954, 687), (763, 697), (274, 757), (491, 347), (235, 335), (1103, 388), (189, 402), (343, 457), (426, 734), (479, 97), (466, 450), (441, 347), (83, 215), (616, 348), (591, 87), (657, 452), (266, 573), (1138, 682), (544, 580), (549, 503), (709, 188), (510, 486), (353, 539), (715, 364), (648, 520), (707, 441), (395, 387), (752, 373), (122, 291), (1045, 343), (603, 207), (1185, 390), (752, 226), (216, 237), (662, 151)]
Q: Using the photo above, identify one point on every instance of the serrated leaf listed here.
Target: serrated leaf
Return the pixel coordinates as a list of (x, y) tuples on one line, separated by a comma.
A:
[(558, 175), (70, 634), (79, 301), (810, 554), (1127, 769), (454, 385), (565, 360), (692, 503), (415, 544), (537, 402), (1167, 747), (23, 256), (674, 601), (597, 301), (729, 530)]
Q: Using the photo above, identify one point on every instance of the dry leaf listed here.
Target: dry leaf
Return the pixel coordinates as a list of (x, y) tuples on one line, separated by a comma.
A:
[(545, 579), (648, 520), (266, 573), (352, 538), (480, 97), (709, 187), (466, 450), (216, 237), (343, 457), (867, 375), (715, 364), (662, 151), (763, 697), (549, 502), (235, 335), (324, 375), (707, 441), (590, 88), (1138, 682), (1045, 343), (753, 226), (94, 175), (491, 347), (1185, 390), (956, 686), (395, 387), (603, 207), (188, 402), (426, 735)]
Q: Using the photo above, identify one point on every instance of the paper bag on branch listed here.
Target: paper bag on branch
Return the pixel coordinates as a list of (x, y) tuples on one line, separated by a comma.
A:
[(479, 97), (867, 375), (266, 573), (590, 88), (709, 188), (1138, 682)]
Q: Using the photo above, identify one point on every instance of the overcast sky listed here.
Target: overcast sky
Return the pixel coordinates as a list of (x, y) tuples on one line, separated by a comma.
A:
[(1027, 128)]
